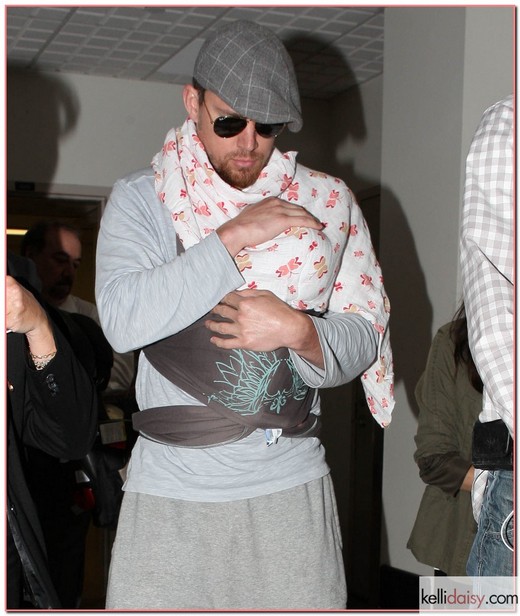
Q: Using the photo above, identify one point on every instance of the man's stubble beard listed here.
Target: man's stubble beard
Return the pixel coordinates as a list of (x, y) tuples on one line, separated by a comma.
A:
[(239, 178), (58, 293)]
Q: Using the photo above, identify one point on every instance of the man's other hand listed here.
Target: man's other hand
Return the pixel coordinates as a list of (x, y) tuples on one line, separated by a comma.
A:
[(257, 320), (263, 221)]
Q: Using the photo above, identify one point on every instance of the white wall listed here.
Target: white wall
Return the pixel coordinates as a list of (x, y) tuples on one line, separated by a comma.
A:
[(119, 126), (342, 136), (358, 152), (443, 67)]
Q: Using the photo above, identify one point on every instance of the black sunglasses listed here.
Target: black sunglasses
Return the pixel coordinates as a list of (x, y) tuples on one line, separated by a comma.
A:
[(230, 126)]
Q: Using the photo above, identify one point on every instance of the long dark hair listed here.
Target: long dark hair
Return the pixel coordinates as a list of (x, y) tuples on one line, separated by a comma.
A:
[(462, 352)]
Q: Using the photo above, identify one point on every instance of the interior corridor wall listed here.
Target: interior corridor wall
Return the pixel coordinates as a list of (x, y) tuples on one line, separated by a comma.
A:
[(435, 89), (358, 151), (117, 127)]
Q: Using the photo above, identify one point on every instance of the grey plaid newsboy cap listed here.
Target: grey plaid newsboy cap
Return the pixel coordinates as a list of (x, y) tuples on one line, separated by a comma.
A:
[(249, 68)]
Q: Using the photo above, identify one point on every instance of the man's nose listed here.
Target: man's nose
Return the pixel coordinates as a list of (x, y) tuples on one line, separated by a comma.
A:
[(70, 269), (248, 138)]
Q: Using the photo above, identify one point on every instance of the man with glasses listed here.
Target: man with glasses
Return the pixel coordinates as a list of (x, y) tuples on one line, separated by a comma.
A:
[(248, 281)]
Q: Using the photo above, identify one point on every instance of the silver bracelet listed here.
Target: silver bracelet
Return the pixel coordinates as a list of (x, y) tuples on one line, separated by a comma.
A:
[(40, 361)]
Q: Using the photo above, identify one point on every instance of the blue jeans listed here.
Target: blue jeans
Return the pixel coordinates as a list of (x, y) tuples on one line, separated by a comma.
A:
[(489, 554)]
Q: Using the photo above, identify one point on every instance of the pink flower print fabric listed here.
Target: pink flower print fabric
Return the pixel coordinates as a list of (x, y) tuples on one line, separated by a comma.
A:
[(332, 269)]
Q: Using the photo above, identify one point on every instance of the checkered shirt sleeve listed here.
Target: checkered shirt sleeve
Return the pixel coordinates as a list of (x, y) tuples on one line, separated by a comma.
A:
[(487, 258)]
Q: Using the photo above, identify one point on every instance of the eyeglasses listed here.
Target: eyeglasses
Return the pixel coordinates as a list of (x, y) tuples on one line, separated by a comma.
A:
[(231, 126)]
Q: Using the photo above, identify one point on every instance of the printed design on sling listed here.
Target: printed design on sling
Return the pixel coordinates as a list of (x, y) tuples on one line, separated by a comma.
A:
[(251, 383)]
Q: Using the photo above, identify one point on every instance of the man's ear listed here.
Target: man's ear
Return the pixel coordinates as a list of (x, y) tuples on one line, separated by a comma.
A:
[(191, 101)]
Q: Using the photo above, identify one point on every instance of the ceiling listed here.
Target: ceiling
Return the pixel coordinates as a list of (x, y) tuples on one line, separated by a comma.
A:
[(333, 48)]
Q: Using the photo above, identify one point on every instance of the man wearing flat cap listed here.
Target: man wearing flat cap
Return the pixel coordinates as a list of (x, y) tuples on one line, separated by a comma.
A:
[(248, 282)]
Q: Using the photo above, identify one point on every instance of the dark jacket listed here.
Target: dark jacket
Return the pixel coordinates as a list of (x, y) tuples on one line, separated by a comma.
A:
[(449, 406), (55, 410)]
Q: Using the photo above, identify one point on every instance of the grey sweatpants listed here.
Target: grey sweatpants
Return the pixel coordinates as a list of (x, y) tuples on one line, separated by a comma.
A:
[(280, 551)]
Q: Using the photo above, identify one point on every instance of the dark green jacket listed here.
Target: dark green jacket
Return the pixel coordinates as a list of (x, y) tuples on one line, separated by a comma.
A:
[(449, 406)]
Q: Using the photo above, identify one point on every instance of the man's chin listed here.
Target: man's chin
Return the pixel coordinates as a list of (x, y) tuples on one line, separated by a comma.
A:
[(57, 297), (240, 179)]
